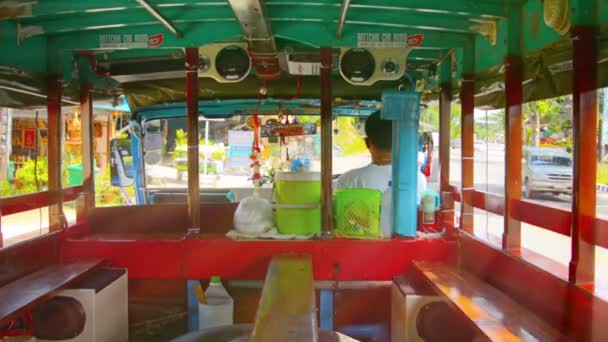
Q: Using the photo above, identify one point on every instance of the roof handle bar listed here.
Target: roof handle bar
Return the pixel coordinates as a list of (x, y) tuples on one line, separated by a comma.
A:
[(160, 18), (343, 10)]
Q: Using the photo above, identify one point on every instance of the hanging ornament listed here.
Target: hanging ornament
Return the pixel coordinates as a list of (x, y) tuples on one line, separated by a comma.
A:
[(255, 150), (255, 154)]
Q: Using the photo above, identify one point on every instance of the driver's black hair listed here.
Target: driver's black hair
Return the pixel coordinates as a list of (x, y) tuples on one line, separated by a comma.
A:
[(379, 132)]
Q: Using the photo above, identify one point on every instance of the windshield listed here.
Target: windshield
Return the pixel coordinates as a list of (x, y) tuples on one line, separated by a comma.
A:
[(550, 160), (225, 149)]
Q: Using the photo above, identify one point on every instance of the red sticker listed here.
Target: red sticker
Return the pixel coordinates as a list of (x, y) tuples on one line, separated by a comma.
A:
[(156, 40), (28, 138), (415, 40)]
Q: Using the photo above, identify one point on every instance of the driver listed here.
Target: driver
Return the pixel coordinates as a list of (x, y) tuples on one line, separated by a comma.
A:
[(379, 139)]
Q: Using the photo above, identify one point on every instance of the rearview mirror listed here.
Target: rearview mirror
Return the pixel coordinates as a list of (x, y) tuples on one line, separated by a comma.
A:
[(121, 163)]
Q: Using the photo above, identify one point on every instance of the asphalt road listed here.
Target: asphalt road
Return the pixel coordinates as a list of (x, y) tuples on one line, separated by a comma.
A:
[(489, 177)]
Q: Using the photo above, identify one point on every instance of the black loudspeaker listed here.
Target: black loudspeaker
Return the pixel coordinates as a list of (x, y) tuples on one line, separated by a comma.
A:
[(361, 66), (60, 318), (357, 65), (232, 63), (225, 62)]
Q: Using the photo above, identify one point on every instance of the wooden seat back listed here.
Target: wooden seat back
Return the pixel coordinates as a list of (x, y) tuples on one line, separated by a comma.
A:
[(497, 316)]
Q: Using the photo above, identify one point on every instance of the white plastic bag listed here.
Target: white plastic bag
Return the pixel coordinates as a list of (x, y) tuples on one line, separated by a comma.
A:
[(253, 215)]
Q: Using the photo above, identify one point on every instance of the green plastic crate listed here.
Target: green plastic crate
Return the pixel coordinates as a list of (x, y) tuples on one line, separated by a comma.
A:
[(358, 213)]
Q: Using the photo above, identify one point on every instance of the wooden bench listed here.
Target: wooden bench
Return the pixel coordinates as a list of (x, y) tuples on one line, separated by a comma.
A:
[(497, 316), (20, 296)]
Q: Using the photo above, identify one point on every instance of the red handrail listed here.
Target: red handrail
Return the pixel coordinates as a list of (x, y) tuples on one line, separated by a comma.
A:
[(553, 219), (601, 233), (18, 204), (550, 218), (489, 202)]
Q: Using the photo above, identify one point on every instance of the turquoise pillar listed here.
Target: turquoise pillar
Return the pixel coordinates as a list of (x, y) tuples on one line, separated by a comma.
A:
[(136, 153), (403, 108)]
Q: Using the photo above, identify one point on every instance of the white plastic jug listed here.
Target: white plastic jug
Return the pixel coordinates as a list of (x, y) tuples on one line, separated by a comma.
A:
[(218, 307), (386, 217)]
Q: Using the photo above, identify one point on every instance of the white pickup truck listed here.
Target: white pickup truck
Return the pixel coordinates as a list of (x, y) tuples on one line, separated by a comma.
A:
[(546, 170)]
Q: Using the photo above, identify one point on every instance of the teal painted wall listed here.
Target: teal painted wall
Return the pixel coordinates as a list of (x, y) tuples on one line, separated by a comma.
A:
[(536, 33), (31, 55)]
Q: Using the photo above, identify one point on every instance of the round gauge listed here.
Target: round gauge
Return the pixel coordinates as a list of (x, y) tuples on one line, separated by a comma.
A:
[(232, 63), (389, 66), (357, 65)]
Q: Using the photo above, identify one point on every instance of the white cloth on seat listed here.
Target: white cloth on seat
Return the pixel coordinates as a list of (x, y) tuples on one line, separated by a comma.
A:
[(272, 234)]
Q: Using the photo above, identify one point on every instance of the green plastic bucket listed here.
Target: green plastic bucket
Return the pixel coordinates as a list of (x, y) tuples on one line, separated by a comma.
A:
[(11, 171), (75, 176), (298, 202)]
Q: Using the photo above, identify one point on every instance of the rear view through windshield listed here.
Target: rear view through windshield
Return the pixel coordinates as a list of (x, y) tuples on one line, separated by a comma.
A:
[(225, 149)]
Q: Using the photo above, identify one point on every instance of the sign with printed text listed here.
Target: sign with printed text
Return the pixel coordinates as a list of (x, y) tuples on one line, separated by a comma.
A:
[(389, 40), (240, 143), (304, 68), (130, 41)]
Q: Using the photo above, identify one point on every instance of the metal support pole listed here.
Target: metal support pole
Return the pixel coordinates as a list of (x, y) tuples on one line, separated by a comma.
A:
[(55, 147), (445, 105), (194, 199), (326, 309), (87, 201), (192, 305), (585, 107), (511, 237), (326, 143)]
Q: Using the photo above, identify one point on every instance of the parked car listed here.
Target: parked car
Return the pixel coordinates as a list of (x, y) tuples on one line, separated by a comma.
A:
[(546, 170)]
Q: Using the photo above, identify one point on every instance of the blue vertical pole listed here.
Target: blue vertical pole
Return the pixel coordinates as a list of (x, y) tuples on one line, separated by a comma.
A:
[(326, 310), (137, 169), (192, 305), (404, 109)]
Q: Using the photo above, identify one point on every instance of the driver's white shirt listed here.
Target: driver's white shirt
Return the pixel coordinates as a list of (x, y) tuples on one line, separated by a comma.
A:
[(373, 177)]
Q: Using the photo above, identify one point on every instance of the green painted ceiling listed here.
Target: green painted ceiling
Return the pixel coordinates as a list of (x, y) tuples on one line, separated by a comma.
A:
[(41, 36)]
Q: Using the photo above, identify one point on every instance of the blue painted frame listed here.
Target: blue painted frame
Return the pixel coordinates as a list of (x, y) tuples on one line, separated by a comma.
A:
[(136, 150), (217, 109), (404, 109), (234, 107)]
